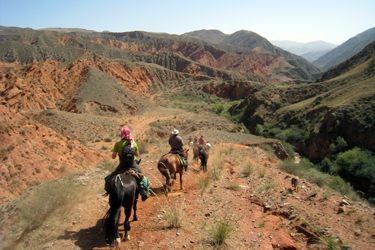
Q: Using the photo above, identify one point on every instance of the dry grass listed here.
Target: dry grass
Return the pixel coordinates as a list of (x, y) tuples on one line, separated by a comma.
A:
[(173, 212), (217, 162), (247, 169), (31, 217), (203, 183)]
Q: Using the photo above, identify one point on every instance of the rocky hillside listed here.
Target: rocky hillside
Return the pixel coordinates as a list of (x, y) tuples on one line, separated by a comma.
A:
[(253, 41), (65, 96), (336, 95), (177, 53)]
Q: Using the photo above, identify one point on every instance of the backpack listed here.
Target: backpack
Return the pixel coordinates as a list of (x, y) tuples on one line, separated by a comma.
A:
[(127, 157)]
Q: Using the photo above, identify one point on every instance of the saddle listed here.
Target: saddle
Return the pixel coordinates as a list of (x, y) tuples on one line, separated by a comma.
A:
[(176, 153), (138, 176)]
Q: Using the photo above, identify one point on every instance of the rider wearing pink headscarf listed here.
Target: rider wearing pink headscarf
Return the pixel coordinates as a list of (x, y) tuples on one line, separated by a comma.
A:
[(126, 138)]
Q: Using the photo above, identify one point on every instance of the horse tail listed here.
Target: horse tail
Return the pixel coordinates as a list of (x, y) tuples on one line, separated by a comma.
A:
[(164, 170), (112, 217)]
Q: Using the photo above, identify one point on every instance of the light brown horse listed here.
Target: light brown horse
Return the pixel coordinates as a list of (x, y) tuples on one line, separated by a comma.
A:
[(171, 164)]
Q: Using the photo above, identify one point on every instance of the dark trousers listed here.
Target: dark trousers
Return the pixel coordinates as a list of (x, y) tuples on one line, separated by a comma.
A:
[(135, 167)]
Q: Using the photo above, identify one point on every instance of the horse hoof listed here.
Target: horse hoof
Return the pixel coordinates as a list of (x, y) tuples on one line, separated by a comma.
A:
[(135, 219), (117, 242), (127, 238)]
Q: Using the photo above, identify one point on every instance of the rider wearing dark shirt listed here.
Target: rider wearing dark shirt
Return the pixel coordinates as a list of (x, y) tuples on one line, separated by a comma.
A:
[(175, 141)]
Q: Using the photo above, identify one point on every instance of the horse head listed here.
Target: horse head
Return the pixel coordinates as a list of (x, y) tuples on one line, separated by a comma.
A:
[(185, 152)]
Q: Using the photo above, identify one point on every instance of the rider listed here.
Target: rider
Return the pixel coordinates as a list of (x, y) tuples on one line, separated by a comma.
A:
[(195, 140), (126, 139), (208, 146), (176, 143), (190, 138), (201, 140)]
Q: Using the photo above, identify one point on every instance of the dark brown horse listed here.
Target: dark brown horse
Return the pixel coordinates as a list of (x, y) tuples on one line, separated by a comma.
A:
[(201, 153), (170, 165), (123, 192), (203, 156)]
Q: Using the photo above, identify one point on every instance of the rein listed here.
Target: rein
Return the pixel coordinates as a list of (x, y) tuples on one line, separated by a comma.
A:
[(118, 178)]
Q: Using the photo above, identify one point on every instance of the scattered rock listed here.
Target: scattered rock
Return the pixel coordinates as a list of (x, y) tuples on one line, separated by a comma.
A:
[(312, 194), (341, 209), (292, 217), (345, 202)]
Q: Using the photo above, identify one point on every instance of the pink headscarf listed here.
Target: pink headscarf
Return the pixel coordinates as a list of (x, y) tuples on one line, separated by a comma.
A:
[(126, 134)]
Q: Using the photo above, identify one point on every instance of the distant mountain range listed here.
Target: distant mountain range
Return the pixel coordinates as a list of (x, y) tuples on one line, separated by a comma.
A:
[(345, 50), (242, 55), (322, 54), (251, 41), (304, 48), (303, 61)]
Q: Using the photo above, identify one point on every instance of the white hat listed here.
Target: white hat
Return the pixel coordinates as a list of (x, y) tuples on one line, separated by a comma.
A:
[(175, 132)]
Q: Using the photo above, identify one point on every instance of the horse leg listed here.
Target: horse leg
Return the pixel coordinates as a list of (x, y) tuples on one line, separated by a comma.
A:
[(127, 223), (181, 180), (111, 223), (135, 217), (112, 234)]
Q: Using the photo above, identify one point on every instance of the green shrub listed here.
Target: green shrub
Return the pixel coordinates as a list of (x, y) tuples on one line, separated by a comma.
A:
[(217, 108), (297, 134), (259, 129), (340, 146), (355, 163), (289, 149), (220, 232), (338, 184), (317, 177)]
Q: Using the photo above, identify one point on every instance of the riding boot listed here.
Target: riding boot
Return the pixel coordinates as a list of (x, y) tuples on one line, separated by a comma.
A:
[(143, 195)]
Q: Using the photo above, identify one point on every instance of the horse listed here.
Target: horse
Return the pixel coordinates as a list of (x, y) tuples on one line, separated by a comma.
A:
[(171, 164), (201, 153), (203, 156), (123, 192), (196, 154)]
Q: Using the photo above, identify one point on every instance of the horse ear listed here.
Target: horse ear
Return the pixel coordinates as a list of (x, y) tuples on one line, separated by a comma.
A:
[(187, 150)]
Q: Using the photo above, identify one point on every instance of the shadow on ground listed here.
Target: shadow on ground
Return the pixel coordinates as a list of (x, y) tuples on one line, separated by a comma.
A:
[(89, 238)]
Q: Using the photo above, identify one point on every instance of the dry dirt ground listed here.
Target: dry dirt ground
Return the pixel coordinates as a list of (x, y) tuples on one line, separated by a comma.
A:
[(263, 214)]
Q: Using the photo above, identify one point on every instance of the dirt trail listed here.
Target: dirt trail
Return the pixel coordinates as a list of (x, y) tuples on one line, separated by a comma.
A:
[(257, 207)]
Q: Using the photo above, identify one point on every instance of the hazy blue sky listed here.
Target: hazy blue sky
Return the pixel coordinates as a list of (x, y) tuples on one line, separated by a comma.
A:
[(304, 21)]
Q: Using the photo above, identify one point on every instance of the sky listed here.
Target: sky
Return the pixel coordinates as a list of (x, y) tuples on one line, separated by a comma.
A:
[(301, 21)]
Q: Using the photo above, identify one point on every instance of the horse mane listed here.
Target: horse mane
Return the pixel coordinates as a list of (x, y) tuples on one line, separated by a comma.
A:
[(185, 152)]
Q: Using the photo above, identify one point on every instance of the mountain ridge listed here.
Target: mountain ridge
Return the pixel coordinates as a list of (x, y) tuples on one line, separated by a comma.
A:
[(303, 48), (346, 50)]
